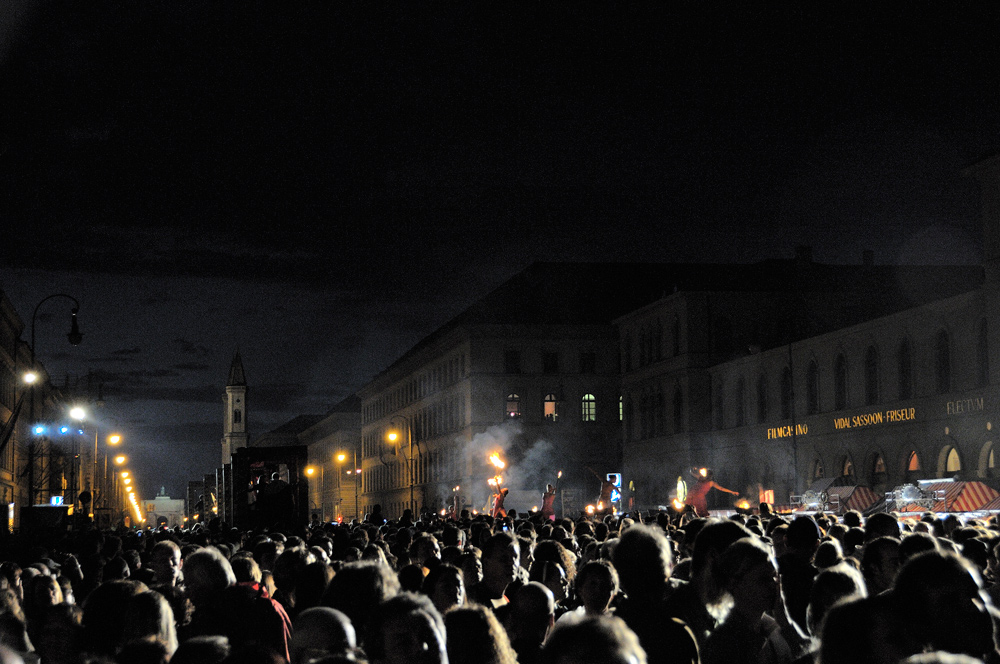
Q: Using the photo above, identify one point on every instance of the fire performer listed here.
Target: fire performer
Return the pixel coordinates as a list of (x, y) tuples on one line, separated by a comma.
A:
[(697, 497), (607, 486), (548, 503), (498, 509)]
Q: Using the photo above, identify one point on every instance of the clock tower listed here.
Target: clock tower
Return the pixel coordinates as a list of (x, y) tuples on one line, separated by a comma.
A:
[(235, 417)]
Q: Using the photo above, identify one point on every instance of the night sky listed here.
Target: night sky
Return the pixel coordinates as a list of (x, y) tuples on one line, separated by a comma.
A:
[(320, 187)]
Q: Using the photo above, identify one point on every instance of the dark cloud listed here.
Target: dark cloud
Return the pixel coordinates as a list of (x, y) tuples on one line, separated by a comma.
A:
[(191, 348), (192, 366)]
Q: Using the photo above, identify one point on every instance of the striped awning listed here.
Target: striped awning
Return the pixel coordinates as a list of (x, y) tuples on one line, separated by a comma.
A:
[(974, 497), (853, 497)]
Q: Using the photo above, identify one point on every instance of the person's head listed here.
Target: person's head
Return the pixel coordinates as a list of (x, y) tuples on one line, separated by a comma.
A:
[(202, 650), (749, 574), (532, 613), (149, 615), (406, 629), (596, 586), (104, 614), (803, 535), (881, 524), (206, 572), (880, 563), (444, 585), (552, 576), (863, 631), (472, 569), (916, 543), (165, 561), (476, 636), (603, 639), (358, 589), (501, 559), (425, 550), (830, 586), (245, 569), (828, 554), (320, 632), (944, 604), (644, 560)]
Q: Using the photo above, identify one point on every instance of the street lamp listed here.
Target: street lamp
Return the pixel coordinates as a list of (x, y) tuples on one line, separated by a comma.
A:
[(31, 378), (341, 458), (395, 437)]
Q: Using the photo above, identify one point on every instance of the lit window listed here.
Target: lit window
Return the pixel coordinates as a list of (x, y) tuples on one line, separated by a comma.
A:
[(513, 406), (551, 407), (879, 464), (589, 408), (953, 464), (914, 462), (621, 408)]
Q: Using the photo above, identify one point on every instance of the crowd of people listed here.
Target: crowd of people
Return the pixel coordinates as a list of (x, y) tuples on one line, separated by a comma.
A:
[(661, 588)]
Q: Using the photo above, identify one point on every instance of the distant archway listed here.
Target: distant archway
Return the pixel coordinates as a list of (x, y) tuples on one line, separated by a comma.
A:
[(987, 461), (949, 461)]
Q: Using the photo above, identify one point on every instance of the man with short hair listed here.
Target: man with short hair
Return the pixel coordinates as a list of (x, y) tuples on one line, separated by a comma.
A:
[(501, 559)]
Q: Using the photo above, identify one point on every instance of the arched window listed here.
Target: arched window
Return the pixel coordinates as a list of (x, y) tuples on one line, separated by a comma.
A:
[(761, 398), (551, 407), (871, 376), (588, 408), (817, 469), (987, 460), (678, 410), (905, 369), (847, 469), (840, 382), (621, 408), (741, 397), (812, 388), (982, 356), (786, 393), (913, 464), (953, 463), (237, 416), (942, 362), (513, 406), (879, 464)]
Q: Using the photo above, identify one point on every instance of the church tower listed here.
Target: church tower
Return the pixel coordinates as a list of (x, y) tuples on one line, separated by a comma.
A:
[(235, 428)]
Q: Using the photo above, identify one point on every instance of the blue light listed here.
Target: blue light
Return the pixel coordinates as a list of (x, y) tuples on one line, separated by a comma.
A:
[(64, 429), (80, 431), (38, 430)]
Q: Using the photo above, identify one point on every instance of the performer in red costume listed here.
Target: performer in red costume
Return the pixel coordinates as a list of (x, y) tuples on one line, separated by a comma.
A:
[(548, 503), (498, 508), (697, 496)]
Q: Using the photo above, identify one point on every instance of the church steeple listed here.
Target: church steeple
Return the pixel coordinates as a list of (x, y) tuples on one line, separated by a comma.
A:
[(235, 417)]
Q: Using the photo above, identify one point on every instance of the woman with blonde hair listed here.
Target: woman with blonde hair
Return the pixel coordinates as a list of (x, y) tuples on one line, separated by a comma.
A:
[(149, 614)]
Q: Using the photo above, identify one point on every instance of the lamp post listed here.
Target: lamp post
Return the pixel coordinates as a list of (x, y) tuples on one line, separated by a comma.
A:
[(78, 415), (31, 378), (340, 459), (356, 472), (394, 437)]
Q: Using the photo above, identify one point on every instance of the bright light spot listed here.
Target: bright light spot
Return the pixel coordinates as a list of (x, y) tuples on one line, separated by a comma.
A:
[(30, 377), (341, 458), (77, 413), (590, 509), (310, 471), (120, 460), (114, 439), (64, 429), (38, 430), (393, 436), (125, 473), (128, 481), (129, 489)]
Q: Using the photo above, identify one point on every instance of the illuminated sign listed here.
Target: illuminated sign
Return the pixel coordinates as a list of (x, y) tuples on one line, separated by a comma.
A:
[(787, 432), (878, 417), (964, 406), (55, 500)]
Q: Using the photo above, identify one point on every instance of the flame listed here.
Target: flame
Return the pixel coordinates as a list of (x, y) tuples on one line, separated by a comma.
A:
[(590, 509), (703, 472), (559, 475), (492, 481), (678, 505), (600, 505), (495, 460), (743, 504)]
